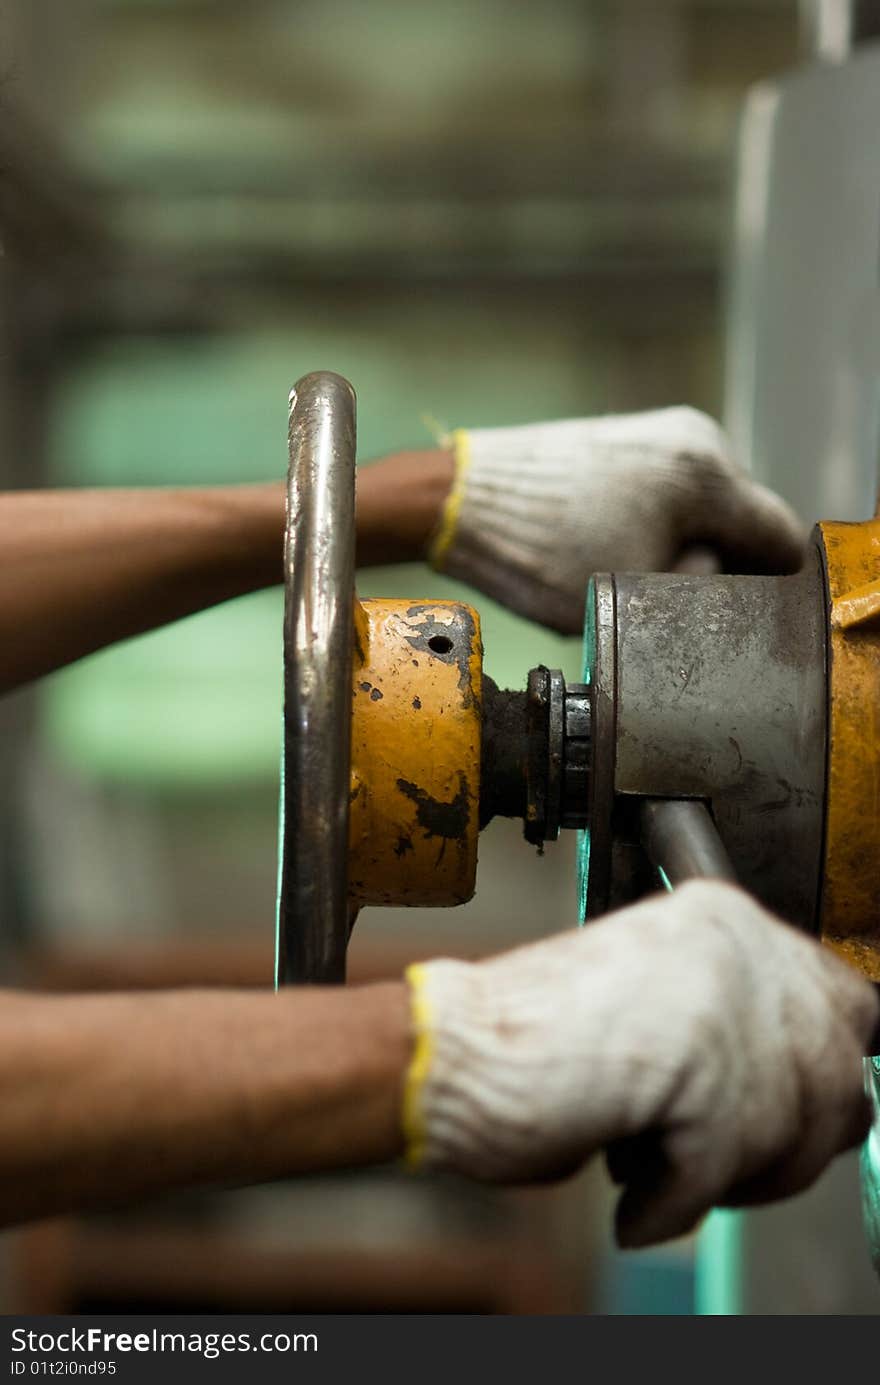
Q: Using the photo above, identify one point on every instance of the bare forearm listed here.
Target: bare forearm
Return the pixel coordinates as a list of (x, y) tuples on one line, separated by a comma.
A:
[(399, 503), (103, 1099), (82, 569)]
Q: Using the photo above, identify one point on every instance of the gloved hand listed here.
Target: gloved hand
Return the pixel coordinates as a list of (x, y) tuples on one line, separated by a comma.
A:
[(712, 1050), (535, 510)]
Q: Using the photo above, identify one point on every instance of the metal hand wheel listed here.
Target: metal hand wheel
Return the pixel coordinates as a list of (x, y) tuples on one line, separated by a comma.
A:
[(313, 920), (382, 701)]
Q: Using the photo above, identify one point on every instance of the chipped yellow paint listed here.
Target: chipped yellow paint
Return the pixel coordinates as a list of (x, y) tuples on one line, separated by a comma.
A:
[(851, 887), (415, 753)]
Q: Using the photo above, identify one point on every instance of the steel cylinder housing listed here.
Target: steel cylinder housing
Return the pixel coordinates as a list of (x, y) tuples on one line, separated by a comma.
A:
[(711, 688)]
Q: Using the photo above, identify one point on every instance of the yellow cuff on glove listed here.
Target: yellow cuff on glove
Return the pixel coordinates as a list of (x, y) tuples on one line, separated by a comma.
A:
[(449, 519), (420, 1063)]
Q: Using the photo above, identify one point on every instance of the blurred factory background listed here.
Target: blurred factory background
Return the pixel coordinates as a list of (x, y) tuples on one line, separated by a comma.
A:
[(478, 212)]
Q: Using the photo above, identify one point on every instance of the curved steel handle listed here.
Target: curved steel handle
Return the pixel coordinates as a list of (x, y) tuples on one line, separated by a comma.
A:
[(319, 557)]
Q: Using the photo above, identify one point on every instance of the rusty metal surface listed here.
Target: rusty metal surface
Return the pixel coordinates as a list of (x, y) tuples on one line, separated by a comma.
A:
[(504, 753), (536, 754), (545, 730), (715, 689), (319, 549), (416, 753), (851, 891)]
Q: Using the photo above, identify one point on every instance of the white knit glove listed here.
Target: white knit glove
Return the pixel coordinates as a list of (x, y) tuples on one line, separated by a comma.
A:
[(713, 1051), (535, 510)]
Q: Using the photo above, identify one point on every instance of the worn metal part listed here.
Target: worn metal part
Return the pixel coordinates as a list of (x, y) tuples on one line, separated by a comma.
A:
[(382, 706), (851, 888), (682, 841), (319, 548), (504, 753), (545, 719), (711, 688), (597, 842), (415, 753), (576, 756), (536, 754)]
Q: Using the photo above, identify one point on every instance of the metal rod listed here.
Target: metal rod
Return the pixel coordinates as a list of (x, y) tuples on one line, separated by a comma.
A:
[(682, 841), (319, 549)]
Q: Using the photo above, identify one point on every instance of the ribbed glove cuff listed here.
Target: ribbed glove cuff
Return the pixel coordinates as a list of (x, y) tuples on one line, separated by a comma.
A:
[(505, 496), (461, 1091)]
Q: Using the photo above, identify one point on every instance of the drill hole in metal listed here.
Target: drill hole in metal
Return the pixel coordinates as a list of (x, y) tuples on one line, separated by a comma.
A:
[(441, 644)]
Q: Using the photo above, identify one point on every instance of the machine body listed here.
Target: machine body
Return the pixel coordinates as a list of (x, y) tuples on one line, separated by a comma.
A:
[(710, 689), (724, 725)]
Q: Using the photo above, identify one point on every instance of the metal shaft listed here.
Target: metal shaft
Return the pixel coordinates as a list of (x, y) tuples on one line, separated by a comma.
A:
[(536, 754), (313, 909), (682, 841)]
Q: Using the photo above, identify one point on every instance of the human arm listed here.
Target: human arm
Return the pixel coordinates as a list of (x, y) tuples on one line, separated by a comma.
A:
[(711, 1049), (107, 1098), (81, 569), (525, 514)]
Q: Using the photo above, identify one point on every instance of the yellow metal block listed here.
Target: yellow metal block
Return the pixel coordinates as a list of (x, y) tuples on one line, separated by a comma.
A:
[(415, 753), (851, 889)]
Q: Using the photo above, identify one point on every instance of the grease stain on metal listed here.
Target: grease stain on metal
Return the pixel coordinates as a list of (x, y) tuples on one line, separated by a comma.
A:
[(433, 638), (437, 819)]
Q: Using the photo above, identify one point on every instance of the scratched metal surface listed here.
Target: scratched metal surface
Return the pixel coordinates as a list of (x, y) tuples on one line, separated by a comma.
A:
[(718, 693)]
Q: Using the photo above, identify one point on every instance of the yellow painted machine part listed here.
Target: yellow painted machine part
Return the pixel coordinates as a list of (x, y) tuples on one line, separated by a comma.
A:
[(415, 753), (851, 888)]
